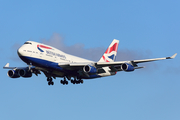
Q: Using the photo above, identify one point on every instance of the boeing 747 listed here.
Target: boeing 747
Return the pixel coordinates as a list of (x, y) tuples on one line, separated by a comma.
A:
[(55, 63)]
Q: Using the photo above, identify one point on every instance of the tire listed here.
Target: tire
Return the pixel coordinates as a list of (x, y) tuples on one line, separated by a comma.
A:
[(66, 82), (61, 81), (49, 83), (52, 83), (81, 81)]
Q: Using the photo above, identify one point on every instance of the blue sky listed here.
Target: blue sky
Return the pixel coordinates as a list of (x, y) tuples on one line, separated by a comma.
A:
[(146, 29)]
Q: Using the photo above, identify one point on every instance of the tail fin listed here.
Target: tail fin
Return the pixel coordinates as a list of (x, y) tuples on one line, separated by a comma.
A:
[(111, 52)]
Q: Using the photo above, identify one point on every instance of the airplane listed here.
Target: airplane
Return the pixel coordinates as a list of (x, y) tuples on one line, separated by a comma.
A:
[(55, 63)]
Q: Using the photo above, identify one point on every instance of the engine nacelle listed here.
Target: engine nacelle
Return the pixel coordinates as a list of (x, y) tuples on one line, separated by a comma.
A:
[(127, 67), (13, 74), (89, 69), (24, 73)]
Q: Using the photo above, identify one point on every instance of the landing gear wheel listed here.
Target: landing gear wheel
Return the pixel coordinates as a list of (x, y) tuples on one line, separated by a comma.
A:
[(49, 83), (78, 82), (81, 81), (61, 81), (64, 82), (52, 83), (73, 81)]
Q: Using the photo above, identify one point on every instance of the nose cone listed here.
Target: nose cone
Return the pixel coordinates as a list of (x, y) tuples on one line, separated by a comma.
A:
[(20, 51)]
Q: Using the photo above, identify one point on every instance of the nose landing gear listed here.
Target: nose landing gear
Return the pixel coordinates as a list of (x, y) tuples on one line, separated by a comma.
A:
[(50, 82)]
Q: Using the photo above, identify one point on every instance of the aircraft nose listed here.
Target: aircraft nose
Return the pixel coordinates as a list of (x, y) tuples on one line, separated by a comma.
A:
[(20, 51)]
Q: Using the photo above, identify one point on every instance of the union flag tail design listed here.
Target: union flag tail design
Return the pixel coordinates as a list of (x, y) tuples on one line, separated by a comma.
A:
[(111, 52)]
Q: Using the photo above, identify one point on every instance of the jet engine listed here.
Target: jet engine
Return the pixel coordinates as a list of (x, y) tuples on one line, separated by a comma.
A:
[(127, 67), (13, 74), (25, 73), (89, 69)]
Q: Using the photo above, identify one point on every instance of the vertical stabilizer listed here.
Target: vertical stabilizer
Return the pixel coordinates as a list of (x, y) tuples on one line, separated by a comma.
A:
[(111, 52)]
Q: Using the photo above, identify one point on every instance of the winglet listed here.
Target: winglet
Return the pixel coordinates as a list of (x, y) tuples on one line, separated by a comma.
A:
[(172, 56), (6, 66)]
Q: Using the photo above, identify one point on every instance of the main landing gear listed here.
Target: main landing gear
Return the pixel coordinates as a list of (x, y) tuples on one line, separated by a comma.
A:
[(50, 82), (77, 81), (64, 82)]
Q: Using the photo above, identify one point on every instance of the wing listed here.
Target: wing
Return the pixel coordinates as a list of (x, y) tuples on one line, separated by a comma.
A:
[(133, 62), (115, 66), (23, 70), (7, 67)]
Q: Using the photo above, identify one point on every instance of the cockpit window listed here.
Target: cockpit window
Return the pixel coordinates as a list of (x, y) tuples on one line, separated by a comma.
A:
[(28, 43)]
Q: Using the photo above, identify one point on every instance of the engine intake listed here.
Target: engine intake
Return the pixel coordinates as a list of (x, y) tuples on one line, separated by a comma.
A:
[(89, 69), (127, 67), (24, 73), (13, 74)]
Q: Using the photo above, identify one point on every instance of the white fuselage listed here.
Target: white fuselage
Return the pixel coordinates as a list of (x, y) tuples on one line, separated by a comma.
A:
[(52, 55), (42, 56)]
